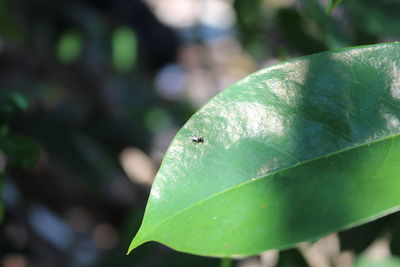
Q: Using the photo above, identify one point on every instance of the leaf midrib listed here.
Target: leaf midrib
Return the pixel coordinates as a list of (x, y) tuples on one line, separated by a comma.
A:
[(257, 178)]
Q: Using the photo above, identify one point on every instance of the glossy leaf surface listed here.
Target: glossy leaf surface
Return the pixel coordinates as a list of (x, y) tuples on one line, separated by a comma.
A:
[(288, 154)]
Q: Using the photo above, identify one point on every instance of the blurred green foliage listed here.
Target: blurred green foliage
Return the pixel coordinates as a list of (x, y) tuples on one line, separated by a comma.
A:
[(17, 150), (124, 45), (69, 47), (362, 261), (331, 6)]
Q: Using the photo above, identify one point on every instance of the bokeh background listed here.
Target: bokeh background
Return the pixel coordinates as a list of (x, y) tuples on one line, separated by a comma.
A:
[(92, 92)]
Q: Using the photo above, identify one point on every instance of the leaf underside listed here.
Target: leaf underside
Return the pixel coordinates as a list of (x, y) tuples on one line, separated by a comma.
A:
[(289, 154)]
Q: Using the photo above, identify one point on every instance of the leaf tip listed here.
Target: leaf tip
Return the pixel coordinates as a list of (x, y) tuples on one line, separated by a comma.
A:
[(137, 241), (132, 246)]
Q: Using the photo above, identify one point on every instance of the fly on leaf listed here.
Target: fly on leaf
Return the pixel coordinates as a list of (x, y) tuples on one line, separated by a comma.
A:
[(198, 139)]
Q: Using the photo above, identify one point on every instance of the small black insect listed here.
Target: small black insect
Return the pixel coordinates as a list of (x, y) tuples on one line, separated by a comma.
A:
[(198, 139)]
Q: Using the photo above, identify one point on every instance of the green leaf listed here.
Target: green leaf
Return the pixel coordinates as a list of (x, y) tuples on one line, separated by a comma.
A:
[(331, 6), (391, 261), (334, 35), (290, 153)]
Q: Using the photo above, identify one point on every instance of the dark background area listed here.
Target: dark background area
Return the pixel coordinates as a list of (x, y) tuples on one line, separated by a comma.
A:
[(92, 92)]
